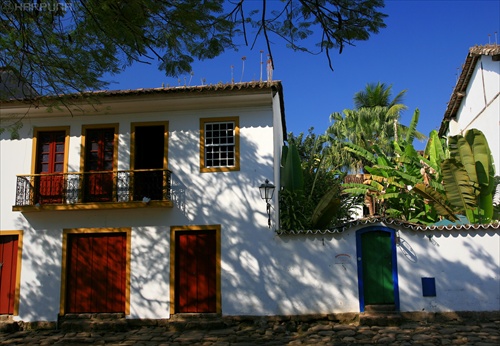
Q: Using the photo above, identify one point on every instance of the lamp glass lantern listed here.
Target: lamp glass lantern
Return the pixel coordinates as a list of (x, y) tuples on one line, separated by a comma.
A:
[(267, 190), (266, 193)]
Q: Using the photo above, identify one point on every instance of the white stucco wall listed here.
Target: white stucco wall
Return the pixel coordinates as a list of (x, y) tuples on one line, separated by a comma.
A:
[(465, 265), (480, 108), (230, 199), (261, 273)]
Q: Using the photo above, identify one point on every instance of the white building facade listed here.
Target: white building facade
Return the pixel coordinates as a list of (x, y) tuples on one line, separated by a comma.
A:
[(94, 197), (147, 204), (475, 101)]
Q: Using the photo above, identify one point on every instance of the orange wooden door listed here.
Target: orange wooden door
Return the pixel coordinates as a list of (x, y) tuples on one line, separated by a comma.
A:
[(195, 280), (50, 162), (8, 270), (96, 272)]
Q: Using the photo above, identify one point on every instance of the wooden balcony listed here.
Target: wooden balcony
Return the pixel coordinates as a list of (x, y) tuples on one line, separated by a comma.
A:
[(94, 190)]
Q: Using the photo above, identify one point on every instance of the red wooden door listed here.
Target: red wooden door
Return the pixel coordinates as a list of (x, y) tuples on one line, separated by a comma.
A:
[(195, 280), (96, 272), (8, 270), (50, 162), (99, 153)]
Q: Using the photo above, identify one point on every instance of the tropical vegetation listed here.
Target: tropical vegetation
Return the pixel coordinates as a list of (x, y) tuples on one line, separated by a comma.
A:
[(452, 177), (375, 120), (311, 195)]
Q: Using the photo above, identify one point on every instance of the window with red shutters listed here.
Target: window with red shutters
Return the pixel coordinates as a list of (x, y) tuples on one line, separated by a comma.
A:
[(99, 158), (49, 184)]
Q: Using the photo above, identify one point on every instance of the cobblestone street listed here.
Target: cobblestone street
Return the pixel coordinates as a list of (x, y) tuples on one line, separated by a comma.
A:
[(272, 332)]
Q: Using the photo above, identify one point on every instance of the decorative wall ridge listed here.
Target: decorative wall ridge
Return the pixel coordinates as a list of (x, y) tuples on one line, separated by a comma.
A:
[(391, 221)]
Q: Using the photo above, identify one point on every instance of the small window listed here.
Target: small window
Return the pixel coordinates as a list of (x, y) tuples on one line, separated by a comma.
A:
[(219, 145)]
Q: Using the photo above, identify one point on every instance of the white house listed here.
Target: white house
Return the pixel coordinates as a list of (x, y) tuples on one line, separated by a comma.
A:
[(120, 205), (147, 204), (475, 101)]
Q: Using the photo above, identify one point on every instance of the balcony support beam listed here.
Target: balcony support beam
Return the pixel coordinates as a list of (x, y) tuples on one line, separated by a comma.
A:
[(93, 206)]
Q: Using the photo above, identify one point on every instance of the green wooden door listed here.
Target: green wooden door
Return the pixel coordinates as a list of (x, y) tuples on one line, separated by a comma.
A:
[(378, 283)]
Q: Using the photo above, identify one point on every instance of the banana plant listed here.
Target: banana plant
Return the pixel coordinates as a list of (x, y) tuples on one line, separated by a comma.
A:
[(468, 176), (394, 182)]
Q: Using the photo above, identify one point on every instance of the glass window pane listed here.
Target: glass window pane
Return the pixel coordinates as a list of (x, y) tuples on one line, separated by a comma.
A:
[(219, 144)]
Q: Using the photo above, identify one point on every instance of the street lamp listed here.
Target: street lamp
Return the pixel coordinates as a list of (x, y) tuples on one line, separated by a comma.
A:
[(266, 193)]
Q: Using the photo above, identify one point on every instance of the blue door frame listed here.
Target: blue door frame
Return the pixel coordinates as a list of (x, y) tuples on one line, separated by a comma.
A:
[(359, 256)]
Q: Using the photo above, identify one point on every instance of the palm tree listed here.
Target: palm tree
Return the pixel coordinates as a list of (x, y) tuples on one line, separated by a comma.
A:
[(377, 95), (375, 120)]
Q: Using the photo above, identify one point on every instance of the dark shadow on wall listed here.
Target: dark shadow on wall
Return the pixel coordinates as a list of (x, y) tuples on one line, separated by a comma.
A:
[(260, 271)]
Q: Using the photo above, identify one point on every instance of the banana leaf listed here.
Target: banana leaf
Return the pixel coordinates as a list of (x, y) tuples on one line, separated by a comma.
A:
[(434, 150), (356, 189), (436, 199), (486, 208), (457, 185), (359, 151), (326, 210), (412, 129), (483, 160), (461, 151)]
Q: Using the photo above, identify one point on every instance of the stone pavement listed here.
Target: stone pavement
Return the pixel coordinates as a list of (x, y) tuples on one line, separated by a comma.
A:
[(274, 331)]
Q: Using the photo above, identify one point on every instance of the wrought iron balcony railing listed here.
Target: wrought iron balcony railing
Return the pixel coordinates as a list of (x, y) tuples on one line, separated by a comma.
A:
[(77, 188)]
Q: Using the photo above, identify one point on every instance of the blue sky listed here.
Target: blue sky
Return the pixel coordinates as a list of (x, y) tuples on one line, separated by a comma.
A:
[(421, 50)]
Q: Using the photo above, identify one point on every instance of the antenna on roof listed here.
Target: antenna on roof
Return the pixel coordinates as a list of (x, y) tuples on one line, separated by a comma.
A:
[(243, 67), (269, 68), (496, 37), (232, 74), (191, 74), (261, 63)]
